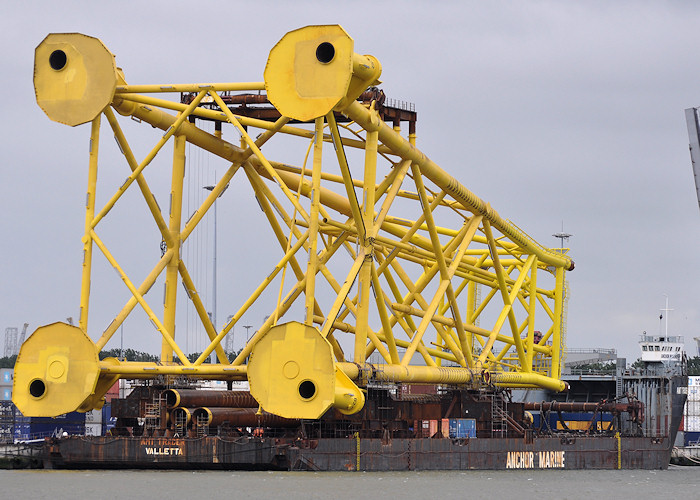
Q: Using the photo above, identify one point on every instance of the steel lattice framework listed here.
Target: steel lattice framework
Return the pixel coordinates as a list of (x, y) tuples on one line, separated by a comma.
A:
[(405, 288)]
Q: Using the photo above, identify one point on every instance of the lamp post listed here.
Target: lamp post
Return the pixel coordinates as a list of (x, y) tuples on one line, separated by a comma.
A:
[(562, 236), (213, 309)]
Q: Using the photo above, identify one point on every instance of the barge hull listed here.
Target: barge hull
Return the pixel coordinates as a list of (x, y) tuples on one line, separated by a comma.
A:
[(348, 454)]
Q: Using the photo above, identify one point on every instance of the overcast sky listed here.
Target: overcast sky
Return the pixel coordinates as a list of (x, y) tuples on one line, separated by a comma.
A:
[(550, 111)]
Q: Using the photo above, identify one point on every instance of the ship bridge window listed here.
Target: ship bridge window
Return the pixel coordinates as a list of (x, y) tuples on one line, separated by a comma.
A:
[(657, 348), (644, 348)]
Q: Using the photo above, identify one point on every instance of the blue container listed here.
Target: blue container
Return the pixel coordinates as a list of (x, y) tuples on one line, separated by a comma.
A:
[(691, 438), (462, 428), (29, 428), (108, 421), (6, 393), (6, 376)]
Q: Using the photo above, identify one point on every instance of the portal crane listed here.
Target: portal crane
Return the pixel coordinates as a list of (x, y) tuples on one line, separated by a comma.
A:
[(22, 335), (381, 250)]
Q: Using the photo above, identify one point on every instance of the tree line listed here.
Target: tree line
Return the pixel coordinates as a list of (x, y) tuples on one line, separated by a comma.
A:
[(133, 355), (126, 354)]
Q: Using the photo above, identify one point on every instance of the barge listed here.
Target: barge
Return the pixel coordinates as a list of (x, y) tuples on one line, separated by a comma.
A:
[(402, 428)]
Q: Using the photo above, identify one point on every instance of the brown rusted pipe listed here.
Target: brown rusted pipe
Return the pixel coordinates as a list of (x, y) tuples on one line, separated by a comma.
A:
[(582, 407), (194, 398), (180, 415), (240, 417)]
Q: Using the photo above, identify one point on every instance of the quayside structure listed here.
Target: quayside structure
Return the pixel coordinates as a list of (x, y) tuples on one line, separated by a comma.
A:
[(381, 253)]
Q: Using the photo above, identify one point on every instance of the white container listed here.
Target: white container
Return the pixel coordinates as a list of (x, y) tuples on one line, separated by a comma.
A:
[(93, 429), (692, 424), (93, 416)]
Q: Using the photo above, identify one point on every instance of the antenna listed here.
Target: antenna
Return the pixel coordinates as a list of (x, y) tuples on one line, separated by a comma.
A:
[(666, 310), (562, 236)]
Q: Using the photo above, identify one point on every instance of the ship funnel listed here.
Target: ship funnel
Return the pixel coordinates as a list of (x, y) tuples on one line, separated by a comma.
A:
[(313, 70)]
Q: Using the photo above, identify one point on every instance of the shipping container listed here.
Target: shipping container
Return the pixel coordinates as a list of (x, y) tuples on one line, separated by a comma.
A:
[(108, 421), (691, 439), (692, 423), (30, 428), (578, 420), (112, 393), (462, 428), (433, 428), (93, 417), (693, 393), (445, 427), (6, 393), (421, 428), (6, 376), (92, 429)]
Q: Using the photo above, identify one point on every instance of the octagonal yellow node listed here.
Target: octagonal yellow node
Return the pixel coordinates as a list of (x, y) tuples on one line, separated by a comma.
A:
[(292, 374), (75, 77), (56, 371)]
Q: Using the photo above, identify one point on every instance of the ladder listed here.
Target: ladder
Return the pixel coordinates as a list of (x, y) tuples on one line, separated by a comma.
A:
[(499, 416)]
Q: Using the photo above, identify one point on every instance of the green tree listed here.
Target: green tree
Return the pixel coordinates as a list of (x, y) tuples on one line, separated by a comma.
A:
[(8, 362), (129, 354), (694, 366)]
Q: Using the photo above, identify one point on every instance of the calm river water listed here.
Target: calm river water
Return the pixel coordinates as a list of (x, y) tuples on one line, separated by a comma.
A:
[(677, 482)]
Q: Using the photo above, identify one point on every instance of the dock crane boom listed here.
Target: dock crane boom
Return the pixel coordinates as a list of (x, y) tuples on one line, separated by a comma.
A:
[(691, 119)]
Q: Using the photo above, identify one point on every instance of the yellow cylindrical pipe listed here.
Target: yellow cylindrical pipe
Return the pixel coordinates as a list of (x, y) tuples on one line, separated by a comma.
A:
[(448, 375), (171, 273), (89, 214), (357, 112)]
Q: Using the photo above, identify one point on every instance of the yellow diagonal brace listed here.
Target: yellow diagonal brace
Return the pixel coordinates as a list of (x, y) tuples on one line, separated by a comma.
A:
[(265, 198), (444, 272), (400, 174), (381, 308), (286, 304), (507, 300), (347, 177), (226, 178), (146, 161), (133, 165), (256, 150), (151, 315), (217, 338), (342, 294), (132, 302)]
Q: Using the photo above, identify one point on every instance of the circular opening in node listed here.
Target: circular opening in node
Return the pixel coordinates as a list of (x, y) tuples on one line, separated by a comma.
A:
[(307, 389), (325, 52), (58, 60), (37, 388)]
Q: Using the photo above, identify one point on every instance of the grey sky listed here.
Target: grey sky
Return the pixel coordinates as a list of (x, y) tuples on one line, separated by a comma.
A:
[(550, 111)]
